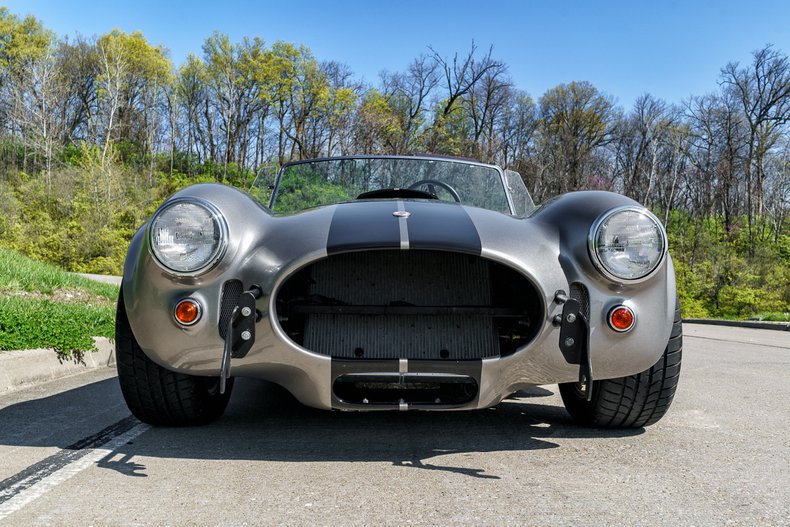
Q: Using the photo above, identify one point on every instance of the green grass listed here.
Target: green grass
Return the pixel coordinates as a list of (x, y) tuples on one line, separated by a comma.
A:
[(42, 306), (20, 273), (774, 317), (39, 323)]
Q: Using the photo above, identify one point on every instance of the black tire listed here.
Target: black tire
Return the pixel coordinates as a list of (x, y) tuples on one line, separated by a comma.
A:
[(634, 401), (158, 396)]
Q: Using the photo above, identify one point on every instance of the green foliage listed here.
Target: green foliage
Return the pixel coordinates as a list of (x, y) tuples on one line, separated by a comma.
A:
[(302, 189), (76, 220), (21, 41), (745, 300), (135, 59), (84, 214), (690, 290), (450, 131), (718, 277)]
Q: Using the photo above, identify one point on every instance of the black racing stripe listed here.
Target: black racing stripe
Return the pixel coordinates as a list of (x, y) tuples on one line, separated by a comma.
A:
[(363, 225), (441, 226)]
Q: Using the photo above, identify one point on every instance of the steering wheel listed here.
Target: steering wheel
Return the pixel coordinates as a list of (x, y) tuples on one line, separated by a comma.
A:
[(430, 183)]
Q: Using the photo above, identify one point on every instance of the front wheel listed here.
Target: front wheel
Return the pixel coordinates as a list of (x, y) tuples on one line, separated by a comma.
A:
[(633, 401), (158, 396)]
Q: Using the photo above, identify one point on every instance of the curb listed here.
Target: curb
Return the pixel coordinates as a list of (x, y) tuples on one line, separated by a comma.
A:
[(753, 324), (21, 369)]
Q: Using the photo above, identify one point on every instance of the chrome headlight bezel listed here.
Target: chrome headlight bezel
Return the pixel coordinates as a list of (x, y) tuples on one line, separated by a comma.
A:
[(220, 225), (599, 262)]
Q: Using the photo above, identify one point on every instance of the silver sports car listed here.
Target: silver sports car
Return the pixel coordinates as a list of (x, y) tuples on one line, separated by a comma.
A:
[(399, 283)]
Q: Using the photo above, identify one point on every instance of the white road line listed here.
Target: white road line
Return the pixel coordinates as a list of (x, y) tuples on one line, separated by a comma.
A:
[(56, 478)]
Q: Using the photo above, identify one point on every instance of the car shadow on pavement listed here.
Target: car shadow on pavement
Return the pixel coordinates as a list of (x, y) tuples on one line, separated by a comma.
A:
[(265, 423)]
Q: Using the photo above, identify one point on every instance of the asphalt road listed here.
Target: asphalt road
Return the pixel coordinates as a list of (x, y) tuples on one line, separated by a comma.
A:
[(70, 455)]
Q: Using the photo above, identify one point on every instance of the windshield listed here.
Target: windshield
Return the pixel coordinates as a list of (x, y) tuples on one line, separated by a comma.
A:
[(323, 182)]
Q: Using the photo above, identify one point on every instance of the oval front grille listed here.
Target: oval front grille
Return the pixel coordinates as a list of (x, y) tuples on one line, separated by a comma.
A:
[(409, 304)]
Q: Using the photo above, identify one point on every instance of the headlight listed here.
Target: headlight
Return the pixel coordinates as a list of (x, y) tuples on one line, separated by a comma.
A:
[(627, 243), (188, 235)]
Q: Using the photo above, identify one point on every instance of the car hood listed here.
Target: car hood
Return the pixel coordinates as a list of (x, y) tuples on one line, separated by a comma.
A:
[(404, 224)]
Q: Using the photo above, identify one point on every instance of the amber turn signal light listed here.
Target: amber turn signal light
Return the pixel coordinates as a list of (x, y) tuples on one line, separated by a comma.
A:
[(621, 319), (188, 312)]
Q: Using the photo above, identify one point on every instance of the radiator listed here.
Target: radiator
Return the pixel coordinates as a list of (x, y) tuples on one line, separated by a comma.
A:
[(402, 278)]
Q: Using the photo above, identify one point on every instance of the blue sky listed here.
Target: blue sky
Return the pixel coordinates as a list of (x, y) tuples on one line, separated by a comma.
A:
[(671, 49)]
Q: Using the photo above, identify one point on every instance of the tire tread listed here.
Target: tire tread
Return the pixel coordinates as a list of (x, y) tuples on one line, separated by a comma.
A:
[(158, 396)]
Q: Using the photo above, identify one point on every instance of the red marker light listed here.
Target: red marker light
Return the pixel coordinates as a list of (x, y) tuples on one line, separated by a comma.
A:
[(187, 312), (621, 319)]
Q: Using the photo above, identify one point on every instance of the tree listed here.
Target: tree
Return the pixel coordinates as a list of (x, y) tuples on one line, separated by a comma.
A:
[(517, 131), (133, 76), (234, 73), (78, 70), (339, 109), (459, 77), (26, 75), (192, 95), (763, 89), (487, 102), (408, 94), (309, 97), (377, 127), (575, 120)]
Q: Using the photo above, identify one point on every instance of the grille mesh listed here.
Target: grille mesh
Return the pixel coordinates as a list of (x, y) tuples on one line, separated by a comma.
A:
[(402, 278), (579, 292), (231, 292)]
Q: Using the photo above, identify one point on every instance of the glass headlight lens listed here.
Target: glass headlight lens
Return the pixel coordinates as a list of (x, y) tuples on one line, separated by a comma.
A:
[(628, 244), (187, 236)]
